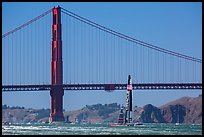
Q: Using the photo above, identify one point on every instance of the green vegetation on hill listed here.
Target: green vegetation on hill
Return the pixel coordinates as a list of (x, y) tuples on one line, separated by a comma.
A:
[(104, 110)]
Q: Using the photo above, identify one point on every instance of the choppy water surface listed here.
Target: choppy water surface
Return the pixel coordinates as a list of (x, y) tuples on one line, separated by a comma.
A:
[(101, 129)]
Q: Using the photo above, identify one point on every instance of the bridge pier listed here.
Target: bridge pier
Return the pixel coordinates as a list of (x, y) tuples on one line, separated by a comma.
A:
[(56, 92)]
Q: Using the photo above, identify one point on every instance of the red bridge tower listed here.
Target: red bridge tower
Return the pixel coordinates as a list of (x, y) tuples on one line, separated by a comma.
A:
[(56, 92)]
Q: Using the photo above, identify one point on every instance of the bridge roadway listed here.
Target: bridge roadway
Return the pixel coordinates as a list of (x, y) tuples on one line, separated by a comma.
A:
[(106, 87)]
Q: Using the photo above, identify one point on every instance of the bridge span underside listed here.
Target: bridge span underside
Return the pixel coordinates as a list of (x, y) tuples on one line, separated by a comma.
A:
[(106, 87)]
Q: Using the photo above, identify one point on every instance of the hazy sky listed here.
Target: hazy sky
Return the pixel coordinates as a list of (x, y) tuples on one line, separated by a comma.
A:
[(175, 26)]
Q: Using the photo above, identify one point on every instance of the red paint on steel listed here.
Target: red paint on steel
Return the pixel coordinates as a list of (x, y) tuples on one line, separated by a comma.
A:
[(56, 92)]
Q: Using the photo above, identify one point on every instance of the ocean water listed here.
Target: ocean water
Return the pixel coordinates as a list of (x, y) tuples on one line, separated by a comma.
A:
[(100, 129)]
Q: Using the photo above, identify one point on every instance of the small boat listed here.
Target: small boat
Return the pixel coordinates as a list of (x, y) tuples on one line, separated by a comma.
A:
[(138, 123), (5, 123), (177, 124), (115, 125), (45, 122)]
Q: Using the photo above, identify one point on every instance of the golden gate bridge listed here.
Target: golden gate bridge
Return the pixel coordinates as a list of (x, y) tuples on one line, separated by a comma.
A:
[(79, 54)]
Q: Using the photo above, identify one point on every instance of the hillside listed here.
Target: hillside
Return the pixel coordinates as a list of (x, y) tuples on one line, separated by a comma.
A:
[(188, 109), (95, 113), (183, 110), (22, 115)]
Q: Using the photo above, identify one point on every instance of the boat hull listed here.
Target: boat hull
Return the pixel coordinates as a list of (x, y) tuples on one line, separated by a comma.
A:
[(116, 125)]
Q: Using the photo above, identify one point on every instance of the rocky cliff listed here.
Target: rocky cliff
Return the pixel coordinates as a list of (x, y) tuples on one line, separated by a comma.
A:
[(183, 110)]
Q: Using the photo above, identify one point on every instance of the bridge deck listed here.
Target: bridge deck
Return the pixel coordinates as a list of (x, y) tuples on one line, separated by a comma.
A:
[(106, 87)]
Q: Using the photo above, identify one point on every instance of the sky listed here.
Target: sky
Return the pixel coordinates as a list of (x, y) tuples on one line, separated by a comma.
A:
[(174, 26)]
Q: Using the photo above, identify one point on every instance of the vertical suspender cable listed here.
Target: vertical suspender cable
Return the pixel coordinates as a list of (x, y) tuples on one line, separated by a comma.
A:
[(49, 39), (112, 57), (170, 68), (108, 67), (132, 62), (163, 66), (15, 60), (95, 55), (180, 74), (126, 47), (148, 65), (156, 67), (38, 55), (37, 41), (4, 72), (83, 49), (44, 50), (128, 58), (82, 57), (89, 52), (141, 63), (194, 71), (173, 73), (3, 63), (185, 70), (159, 65), (69, 48), (31, 62), (98, 55), (135, 63), (111, 52), (106, 72), (114, 48), (85, 46), (74, 68), (151, 67), (178, 80), (66, 37), (26, 34), (41, 59), (26, 44), (104, 55), (80, 52), (33, 52), (8, 60), (11, 58), (20, 55), (77, 52), (92, 59), (119, 61), (35, 60)]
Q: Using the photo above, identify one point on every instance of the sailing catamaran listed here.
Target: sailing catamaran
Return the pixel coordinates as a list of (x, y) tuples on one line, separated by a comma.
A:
[(126, 120)]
